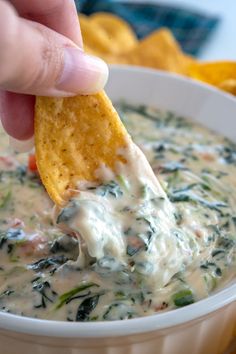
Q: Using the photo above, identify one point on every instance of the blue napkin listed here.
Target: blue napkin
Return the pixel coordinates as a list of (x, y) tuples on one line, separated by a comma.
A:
[(191, 29)]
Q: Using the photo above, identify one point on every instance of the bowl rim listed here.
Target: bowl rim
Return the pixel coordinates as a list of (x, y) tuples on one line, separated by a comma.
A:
[(171, 75), (139, 325)]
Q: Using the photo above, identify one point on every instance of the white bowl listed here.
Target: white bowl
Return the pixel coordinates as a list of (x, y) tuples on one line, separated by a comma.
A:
[(205, 327)]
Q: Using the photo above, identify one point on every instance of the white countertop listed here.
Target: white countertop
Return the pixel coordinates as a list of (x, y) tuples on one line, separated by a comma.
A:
[(222, 43)]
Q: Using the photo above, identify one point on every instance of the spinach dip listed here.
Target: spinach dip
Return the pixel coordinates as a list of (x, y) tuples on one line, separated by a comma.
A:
[(121, 250)]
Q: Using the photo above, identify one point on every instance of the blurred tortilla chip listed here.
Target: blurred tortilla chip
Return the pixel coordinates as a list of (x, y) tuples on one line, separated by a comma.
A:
[(95, 38), (159, 50), (85, 133), (220, 74), (121, 33), (102, 40), (228, 86)]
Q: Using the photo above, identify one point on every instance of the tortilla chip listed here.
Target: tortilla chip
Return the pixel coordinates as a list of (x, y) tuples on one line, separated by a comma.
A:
[(228, 86), (189, 60), (159, 50), (119, 31), (95, 38), (220, 74), (73, 137)]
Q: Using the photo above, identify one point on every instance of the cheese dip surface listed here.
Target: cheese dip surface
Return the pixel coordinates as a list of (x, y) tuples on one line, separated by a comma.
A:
[(125, 248)]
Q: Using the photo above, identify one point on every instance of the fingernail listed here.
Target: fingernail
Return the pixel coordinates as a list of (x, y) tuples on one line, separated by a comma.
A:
[(21, 145), (82, 73)]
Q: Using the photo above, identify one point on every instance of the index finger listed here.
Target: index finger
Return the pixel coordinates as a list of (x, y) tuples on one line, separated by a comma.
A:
[(59, 15)]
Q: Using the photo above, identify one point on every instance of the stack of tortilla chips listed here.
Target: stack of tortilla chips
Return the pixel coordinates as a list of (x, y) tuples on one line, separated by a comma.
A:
[(112, 39)]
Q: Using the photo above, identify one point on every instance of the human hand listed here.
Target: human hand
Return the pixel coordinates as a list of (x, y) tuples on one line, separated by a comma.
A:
[(41, 54)]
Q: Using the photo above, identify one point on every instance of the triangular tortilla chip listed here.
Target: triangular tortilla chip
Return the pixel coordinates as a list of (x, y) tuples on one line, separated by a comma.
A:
[(73, 137)]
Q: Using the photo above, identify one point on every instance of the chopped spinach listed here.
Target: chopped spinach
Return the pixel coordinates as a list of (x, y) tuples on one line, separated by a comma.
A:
[(11, 234), (45, 263), (217, 251), (151, 230), (207, 265), (206, 186), (10, 248), (226, 242), (171, 167), (86, 307), (225, 225), (66, 297), (141, 109), (159, 148), (183, 298), (15, 234), (110, 308), (118, 309), (3, 238), (136, 298), (120, 295), (185, 189), (213, 266), (77, 297), (7, 293), (228, 153), (68, 213), (131, 250), (111, 188), (44, 289), (190, 197), (180, 197), (218, 272), (21, 172)]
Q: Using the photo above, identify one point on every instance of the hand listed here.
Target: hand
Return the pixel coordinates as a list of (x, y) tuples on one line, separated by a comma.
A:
[(41, 54)]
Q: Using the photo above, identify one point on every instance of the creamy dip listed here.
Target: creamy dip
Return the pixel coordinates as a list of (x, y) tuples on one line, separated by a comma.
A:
[(140, 249)]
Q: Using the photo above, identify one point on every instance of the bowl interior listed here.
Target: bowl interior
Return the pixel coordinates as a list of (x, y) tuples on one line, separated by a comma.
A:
[(202, 103)]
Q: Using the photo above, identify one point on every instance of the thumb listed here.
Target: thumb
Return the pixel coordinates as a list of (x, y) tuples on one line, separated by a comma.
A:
[(38, 61)]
